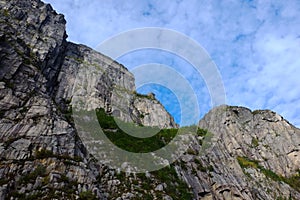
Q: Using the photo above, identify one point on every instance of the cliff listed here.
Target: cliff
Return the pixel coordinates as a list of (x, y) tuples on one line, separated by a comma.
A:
[(252, 155), (235, 154)]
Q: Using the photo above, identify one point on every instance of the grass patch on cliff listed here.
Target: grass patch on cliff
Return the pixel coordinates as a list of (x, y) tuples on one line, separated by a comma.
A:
[(44, 154), (254, 142), (122, 138), (176, 188), (247, 163), (147, 96), (131, 143), (31, 177), (293, 181)]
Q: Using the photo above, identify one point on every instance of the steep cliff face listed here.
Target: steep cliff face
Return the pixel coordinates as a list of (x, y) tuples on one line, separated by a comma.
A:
[(237, 153), (251, 155), (41, 153), (99, 82)]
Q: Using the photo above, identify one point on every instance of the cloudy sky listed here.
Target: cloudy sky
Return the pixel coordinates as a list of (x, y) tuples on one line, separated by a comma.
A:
[(255, 44)]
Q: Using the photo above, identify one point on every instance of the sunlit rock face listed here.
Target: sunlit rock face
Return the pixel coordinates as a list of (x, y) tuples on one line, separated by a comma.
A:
[(96, 81), (250, 154), (238, 154)]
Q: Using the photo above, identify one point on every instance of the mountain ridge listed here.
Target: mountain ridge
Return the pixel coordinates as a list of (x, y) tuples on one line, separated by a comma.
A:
[(235, 154)]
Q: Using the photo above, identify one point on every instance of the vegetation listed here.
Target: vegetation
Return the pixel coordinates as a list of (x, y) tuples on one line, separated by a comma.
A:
[(31, 177), (6, 13), (44, 153), (131, 143), (3, 181), (202, 168), (255, 112), (68, 191), (176, 188), (117, 136), (68, 114), (202, 132), (293, 181), (143, 95), (246, 163), (254, 142), (87, 195)]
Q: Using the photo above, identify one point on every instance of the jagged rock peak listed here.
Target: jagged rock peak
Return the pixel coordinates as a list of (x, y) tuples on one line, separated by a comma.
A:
[(38, 36), (238, 154), (250, 151)]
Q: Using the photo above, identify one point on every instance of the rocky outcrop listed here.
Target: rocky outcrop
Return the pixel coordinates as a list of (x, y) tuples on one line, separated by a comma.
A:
[(143, 107), (250, 155), (41, 153), (96, 81)]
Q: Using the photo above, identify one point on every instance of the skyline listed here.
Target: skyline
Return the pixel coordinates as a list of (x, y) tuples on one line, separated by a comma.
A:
[(254, 44)]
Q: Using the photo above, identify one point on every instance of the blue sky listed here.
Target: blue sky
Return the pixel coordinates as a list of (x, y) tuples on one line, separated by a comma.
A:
[(255, 44)]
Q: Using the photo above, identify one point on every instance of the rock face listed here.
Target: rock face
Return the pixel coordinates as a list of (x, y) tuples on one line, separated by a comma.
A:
[(251, 155), (97, 81), (238, 154), (41, 154)]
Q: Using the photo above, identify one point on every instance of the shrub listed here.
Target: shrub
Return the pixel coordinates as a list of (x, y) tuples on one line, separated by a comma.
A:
[(176, 188), (87, 195), (254, 142), (31, 177), (44, 153), (202, 132), (246, 162), (293, 181)]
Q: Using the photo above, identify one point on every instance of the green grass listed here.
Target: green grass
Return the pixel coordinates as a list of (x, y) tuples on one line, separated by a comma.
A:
[(293, 181), (254, 142), (202, 132), (131, 143), (176, 188), (246, 162)]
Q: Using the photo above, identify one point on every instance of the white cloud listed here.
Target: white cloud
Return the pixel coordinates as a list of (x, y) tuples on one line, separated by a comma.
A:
[(255, 43)]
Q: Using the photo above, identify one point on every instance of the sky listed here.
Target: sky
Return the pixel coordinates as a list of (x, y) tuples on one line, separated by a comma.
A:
[(255, 45)]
